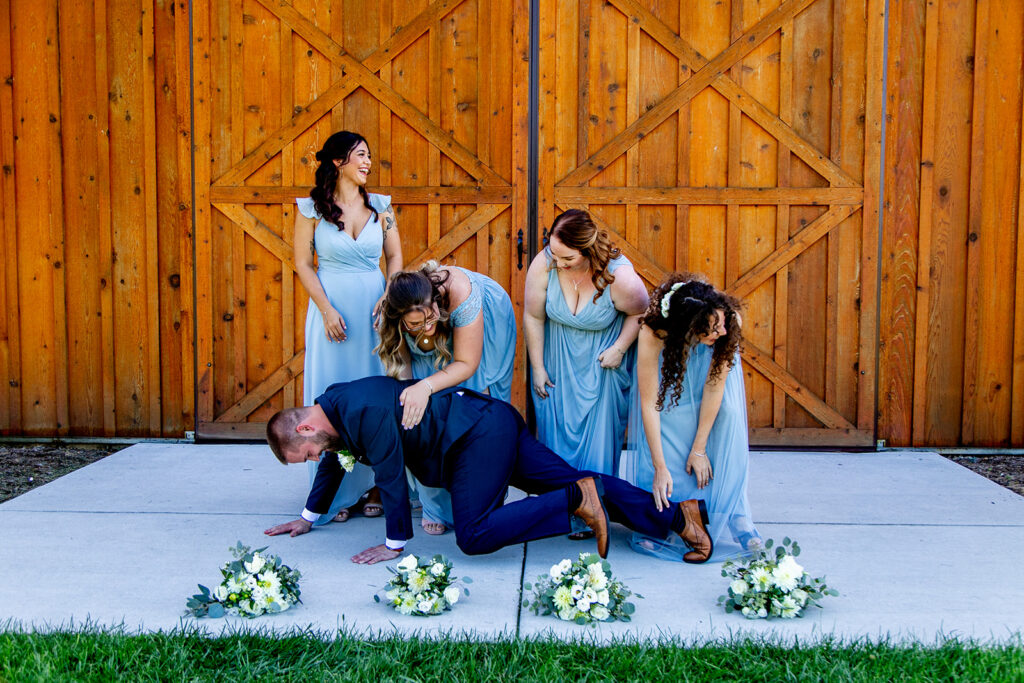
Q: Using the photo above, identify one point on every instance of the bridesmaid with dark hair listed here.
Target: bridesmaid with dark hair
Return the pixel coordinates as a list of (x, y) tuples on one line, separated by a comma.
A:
[(688, 420), (340, 232)]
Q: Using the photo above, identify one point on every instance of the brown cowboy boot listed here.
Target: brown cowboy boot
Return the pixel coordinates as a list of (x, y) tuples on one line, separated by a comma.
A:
[(592, 512), (695, 532)]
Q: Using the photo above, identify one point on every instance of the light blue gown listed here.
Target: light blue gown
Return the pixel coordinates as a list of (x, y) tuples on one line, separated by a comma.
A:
[(349, 271), (494, 374), (583, 419), (727, 448)]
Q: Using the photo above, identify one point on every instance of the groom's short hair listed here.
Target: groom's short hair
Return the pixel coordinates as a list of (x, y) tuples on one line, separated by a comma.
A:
[(281, 434)]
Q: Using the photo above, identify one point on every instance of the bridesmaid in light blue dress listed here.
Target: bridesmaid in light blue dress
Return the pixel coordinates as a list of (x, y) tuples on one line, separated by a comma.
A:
[(688, 419), (446, 326), (346, 229), (583, 305)]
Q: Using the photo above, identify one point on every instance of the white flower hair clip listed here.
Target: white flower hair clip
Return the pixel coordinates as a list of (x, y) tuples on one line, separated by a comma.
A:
[(667, 299)]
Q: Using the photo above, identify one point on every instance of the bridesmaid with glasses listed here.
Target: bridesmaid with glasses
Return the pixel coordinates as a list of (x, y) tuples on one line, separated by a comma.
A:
[(445, 326)]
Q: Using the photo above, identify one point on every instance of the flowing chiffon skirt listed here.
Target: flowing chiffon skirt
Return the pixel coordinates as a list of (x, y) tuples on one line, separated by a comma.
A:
[(731, 525)]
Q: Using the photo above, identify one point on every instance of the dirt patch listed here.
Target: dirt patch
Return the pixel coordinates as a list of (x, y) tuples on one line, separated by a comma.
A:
[(1005, 470), (24, 467)]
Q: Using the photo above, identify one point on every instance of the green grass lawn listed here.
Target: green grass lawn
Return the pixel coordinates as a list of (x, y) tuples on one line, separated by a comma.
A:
[(93, 655)]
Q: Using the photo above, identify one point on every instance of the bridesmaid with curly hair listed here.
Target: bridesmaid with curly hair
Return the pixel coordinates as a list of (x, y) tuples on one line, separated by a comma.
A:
[(688, 421), (340, 232)]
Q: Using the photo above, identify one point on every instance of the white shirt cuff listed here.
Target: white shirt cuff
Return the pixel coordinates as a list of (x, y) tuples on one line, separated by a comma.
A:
[(394, 545), (310, 517)]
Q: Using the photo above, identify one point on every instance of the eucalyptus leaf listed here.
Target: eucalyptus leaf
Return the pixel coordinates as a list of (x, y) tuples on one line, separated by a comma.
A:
[(466, 579), (215, 610)]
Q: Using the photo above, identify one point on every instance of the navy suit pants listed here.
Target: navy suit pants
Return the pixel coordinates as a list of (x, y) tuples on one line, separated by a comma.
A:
[(498, 452)]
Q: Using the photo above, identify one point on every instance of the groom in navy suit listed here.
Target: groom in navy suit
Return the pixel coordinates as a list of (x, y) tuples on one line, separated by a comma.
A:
[(475, 447)]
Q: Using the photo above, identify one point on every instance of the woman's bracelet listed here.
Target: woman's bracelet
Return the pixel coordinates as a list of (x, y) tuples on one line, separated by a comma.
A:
[(429, 385), (702, 454)]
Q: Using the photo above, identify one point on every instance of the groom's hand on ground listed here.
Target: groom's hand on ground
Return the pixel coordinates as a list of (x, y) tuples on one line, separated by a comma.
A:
[(295, 527), (378, 553)]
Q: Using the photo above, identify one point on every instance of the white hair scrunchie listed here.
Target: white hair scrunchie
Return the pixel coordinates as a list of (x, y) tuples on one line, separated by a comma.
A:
[(667, 299)]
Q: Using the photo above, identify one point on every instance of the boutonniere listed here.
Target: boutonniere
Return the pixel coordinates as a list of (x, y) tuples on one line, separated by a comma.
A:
[(347, 460)]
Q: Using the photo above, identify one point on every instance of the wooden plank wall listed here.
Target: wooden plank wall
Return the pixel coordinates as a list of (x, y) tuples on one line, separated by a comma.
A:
[(96, 219), (951, 333), (96, 272), (733, 141), (438, 88)]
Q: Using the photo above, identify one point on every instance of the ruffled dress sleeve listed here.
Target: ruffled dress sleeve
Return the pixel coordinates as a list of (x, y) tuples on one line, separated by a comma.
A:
[(380, 202), (306, 207)]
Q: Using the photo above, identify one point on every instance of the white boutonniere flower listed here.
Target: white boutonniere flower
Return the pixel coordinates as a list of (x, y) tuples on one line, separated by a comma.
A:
[(347, 460)]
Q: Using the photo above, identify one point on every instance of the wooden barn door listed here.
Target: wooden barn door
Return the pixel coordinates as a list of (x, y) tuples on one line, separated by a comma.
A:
[(741, 140), (438, 88)]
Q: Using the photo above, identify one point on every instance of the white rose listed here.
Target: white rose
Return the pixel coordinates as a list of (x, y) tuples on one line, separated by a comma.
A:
[(567, 614), (762, 613), (746, 611), (408, 563), (800, 596), (451, 594), (220, 592), (565, 565), (600, 613), (437, 569), (739, 587), (555, 572), (583, 605), (603, 597), (256, 564), (425, 605)]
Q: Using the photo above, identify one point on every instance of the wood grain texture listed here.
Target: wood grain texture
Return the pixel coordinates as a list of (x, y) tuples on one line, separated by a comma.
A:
[(10, 324), (899, 240), (995, 182), (734, 163)]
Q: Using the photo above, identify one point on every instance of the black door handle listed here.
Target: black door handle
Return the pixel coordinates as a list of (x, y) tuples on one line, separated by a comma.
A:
[(520, 249)]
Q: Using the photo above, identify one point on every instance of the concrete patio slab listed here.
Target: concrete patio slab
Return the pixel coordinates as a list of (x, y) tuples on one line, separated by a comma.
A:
[(918, 546)]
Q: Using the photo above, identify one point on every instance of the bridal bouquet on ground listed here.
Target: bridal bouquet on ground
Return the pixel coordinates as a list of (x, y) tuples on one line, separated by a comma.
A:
[(582, 591), (772, 584), (423, 586), (254, 583)]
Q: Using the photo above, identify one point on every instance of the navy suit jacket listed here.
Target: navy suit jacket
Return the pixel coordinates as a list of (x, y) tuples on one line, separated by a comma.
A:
[(368, 418)]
